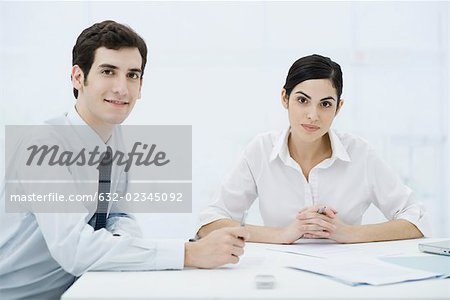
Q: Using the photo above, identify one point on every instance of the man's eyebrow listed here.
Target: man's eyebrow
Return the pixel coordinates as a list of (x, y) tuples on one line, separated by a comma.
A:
[(309, 97), (109, 66), (135, 70)]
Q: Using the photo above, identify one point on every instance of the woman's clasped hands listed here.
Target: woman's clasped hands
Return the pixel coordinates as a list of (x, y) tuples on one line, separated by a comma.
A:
[(316, 222)]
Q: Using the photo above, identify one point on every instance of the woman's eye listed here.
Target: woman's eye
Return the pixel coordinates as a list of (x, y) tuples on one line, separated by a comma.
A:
[(326, 104), (302, 100)]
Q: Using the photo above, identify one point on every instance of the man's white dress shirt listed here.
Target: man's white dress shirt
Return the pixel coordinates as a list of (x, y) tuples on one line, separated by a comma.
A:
[(41, 254), (349, 181)]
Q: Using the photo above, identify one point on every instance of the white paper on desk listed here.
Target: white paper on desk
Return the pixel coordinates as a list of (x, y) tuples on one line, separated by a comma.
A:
[(327, 250), (367, 271)]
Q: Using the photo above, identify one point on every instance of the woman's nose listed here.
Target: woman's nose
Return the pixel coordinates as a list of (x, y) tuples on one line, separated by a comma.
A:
[(311, 114)]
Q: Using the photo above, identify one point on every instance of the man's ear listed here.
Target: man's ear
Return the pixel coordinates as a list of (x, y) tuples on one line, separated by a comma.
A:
[(284, 99), (341, 103), (140, 89), (77, 77)]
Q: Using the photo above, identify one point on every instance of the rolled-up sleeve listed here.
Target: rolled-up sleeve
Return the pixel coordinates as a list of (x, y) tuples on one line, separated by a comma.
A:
[(237, 192), (393, 198)]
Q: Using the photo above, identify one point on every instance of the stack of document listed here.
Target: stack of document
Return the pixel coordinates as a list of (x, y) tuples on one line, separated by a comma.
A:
[(356, 264), (328, 250), (362, 271)]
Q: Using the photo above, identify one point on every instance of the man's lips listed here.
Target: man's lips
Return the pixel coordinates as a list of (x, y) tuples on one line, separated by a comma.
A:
[(116, 102), (310, 128)]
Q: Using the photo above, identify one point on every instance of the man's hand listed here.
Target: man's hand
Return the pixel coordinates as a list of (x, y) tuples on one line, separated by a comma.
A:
[(222, 246)]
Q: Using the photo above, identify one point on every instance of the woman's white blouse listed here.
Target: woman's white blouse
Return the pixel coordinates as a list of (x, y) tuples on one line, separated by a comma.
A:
[(349, 181)]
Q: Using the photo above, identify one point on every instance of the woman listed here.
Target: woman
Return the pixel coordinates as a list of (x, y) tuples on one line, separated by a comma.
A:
[(311, 181)]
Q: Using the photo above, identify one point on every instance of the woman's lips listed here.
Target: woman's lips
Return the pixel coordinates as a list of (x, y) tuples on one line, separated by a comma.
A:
[(310, 128)]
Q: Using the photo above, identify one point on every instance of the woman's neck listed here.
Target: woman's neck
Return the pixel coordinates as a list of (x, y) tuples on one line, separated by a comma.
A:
[(308, 155)]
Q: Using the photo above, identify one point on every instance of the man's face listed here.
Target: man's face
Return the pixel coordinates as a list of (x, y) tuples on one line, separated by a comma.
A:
[(108, 94)]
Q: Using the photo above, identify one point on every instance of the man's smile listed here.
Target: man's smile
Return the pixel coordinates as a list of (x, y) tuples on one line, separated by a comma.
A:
[(117, 102)]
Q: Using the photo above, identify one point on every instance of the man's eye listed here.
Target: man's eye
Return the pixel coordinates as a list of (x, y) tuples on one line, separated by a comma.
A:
[(134, 76), (107, 72)]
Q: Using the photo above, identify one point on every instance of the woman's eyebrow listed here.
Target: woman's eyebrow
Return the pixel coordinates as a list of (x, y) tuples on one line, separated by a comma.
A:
[(304, 94), (309, 97), (328, 98)]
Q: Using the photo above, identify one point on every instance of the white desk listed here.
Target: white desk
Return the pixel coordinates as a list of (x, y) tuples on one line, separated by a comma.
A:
[(238, 282)]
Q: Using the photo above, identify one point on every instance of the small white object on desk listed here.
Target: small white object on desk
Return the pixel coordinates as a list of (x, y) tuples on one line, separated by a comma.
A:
[(264, 281)]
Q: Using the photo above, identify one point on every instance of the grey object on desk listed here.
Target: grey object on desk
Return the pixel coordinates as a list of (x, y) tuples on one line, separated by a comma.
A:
[(442, 247)]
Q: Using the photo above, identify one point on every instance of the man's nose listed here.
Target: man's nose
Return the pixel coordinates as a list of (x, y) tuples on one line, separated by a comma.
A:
[(120, 86)]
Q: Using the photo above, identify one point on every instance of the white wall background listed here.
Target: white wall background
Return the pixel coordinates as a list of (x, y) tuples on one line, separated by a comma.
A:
[(220, 67)]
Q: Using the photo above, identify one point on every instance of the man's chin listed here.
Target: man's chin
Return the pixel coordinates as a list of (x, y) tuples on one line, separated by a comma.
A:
[(117, 120)]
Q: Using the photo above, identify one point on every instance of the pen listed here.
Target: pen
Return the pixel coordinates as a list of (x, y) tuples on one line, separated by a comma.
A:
[(244, 216), (322, 210)]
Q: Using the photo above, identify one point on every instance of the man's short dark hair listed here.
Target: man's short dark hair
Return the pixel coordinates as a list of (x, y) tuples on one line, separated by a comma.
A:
[(108, 34)]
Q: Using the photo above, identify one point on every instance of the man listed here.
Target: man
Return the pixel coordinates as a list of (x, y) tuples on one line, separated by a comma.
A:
[(41, 254)]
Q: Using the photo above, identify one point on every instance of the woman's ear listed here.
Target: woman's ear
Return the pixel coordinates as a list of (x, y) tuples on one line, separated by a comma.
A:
[(284, 99), (341, 103)]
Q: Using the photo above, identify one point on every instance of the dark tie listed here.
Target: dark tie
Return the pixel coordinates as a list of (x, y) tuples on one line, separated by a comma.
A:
[(104, 186)]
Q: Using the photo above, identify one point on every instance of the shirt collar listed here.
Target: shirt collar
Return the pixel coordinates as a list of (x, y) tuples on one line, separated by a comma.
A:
[(92, 137), (281, 149), (337, 147), (74, 118)]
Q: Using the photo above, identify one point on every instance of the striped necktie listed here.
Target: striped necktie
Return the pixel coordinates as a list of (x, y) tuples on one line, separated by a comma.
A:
[(104, 186)]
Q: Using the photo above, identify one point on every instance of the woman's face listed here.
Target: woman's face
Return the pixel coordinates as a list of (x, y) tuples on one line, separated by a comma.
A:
[(312, 106)]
